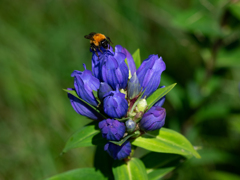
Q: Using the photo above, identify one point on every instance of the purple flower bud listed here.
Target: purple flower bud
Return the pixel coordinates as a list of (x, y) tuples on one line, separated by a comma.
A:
[(83, 109), (133, 87), (111, 68), (161, 101), (153, 119), (115, 71), (130, 125), (85, 83), (149, 74), (115, 105), (118, 152), (130, 61), (97, 61), (112, 130), (103, 89)]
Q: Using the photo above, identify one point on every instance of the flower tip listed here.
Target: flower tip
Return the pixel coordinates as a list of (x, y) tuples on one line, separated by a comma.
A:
[(84, 65)]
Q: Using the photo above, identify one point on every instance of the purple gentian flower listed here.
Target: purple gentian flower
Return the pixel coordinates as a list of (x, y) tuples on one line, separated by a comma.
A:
[(149, 74), (111, 68), (153, 119), (112, 130), (130, 61), (82, 108), (103, 89), (115, 105), (85, 83), (118, 152), (97, 61)]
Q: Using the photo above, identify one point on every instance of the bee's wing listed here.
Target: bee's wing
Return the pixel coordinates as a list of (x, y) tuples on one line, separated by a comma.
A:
[(90, 35)]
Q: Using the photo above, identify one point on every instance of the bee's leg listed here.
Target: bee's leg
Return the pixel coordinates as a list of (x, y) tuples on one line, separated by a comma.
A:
[(96, 52), (100, 49), (109, 40)]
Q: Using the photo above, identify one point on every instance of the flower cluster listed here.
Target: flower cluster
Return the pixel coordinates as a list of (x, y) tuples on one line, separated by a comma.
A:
[(120, 98)]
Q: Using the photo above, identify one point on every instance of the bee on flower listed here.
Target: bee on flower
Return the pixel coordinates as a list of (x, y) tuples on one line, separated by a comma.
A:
[(122, 90)]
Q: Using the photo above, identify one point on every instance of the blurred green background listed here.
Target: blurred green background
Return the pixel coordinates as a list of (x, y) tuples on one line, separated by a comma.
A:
[(41, 43)]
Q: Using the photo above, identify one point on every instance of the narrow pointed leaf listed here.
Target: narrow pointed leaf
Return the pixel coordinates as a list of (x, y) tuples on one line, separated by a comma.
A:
[(160, 164), (81, 173), (137, 58), (132, 170), (166, 141), (88, 135), (158, 94)]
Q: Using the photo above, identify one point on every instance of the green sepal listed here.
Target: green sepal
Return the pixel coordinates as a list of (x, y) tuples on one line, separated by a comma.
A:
[(119, 143), (137, 58)]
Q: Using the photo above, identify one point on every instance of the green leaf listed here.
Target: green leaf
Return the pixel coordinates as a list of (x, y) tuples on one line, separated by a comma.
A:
[(136, 133), (166, 141), (137, 58), (160, 164), (72, 92), (158, 94), (132, 170), (88, 135), (81, 173)]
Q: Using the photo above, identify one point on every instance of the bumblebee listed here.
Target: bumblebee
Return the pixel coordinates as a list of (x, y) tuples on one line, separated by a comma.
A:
[(98, 40)]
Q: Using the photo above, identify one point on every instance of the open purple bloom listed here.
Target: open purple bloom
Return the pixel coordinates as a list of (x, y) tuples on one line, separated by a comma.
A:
[(112, 130), (115, 105), (149, 74), (118, 152), (153, 119), (111, 68), (85, 83), (83, 109)]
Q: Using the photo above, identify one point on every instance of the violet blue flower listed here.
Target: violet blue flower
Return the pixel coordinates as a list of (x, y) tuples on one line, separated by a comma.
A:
[(103, 89), (85, 83), (112, 130), (97, 61), (149, 74), (118, 152), (111, 68), (114, 104), (153, 119), (130, 61), (82, 108)]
